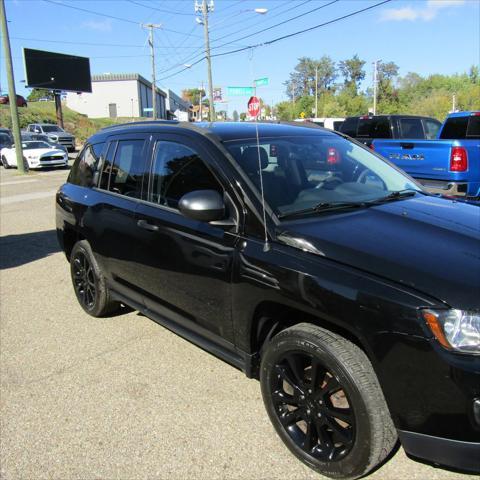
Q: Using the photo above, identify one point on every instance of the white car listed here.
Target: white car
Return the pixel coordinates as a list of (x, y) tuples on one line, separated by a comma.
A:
[(36, 154)]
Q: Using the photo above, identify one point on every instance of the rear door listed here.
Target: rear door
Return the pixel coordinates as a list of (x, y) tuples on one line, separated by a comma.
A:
[(110, 221), (185, 265)]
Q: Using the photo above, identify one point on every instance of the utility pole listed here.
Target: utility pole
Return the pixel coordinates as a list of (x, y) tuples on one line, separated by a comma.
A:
[(204, 9), (58, 108), (12, 94), (316, 91), (454, 103), (151, 26), (201, 102), (375, 85)]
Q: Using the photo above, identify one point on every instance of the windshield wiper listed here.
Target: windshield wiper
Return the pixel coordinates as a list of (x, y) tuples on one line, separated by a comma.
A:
[(396, 195), (323, 207)]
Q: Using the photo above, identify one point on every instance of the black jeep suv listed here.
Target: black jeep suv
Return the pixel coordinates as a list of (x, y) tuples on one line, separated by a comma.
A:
[(302, 258)]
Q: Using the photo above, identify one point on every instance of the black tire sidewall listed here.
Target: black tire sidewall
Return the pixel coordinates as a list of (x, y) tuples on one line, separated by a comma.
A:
[(355, 462), (100, 293)]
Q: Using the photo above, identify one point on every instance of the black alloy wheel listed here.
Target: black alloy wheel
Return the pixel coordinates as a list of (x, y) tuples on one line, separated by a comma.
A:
[(84, 280), (89, 282), (325, 402), (312, 406)]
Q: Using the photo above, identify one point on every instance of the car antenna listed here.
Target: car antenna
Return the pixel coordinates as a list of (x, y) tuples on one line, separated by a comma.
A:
[(266, 245)]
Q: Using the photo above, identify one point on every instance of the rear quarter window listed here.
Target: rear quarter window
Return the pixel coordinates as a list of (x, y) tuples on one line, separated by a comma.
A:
[(85, 166), (455, 128)]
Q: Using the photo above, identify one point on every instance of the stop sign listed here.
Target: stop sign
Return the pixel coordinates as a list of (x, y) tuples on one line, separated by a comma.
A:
[(253, 106)]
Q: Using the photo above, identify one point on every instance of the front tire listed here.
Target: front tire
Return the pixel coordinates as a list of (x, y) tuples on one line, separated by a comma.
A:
[(324, 400), (89, 283)]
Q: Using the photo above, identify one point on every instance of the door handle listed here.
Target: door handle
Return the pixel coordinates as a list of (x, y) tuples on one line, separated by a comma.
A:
[(147, 226)]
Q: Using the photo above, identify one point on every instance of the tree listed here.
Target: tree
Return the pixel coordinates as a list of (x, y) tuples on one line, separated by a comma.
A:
[(387, 94), (352, 72), (243, 116), (193, 95), (473, 74), (235, 116), (302, 79), (37, 93)]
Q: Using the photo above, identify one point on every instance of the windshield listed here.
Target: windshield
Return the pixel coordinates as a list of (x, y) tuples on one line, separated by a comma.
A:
[(51, 128), (32, 145), (302, 172)]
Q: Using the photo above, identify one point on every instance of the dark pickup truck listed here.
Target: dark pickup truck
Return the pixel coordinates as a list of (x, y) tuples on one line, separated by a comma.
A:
[(368, 127)]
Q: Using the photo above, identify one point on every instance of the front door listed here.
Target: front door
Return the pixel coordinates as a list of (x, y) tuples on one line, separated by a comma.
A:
[(186, 264)]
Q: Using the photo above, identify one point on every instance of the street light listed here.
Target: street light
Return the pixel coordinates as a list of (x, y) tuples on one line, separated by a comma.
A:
[(202, 7)]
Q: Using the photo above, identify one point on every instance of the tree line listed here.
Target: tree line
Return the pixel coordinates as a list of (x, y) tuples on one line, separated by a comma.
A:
[(338, 86)]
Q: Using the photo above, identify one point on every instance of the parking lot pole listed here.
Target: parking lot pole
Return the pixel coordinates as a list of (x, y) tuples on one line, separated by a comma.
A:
[(58, 108), (12, 95)]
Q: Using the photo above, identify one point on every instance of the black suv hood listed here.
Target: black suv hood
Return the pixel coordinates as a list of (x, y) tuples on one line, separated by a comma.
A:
[(428, 243)]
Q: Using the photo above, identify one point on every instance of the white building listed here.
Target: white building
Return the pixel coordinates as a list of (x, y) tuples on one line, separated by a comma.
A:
[(118, 95)]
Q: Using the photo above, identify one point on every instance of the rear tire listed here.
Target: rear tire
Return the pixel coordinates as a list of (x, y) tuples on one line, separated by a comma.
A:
[(5, 164), (324, 400), (89, 283)]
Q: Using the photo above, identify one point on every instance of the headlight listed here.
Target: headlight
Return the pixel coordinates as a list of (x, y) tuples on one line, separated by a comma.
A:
[(455, 329)]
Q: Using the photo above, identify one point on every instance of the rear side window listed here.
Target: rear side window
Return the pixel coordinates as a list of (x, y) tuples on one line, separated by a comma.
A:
[(411, 128), (473, 130), (177, 170), (85, 165), (455, 128), (349, 127), (126, 173), (374, 127), (337, 125)]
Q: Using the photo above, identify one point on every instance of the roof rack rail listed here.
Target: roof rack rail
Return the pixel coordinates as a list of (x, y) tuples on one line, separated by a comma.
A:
[(143, 122)]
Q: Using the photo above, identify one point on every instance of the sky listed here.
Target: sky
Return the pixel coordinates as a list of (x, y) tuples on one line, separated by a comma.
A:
[(424, 36)]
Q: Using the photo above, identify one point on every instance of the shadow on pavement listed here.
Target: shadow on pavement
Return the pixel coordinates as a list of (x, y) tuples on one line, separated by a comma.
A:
[(16, 250)]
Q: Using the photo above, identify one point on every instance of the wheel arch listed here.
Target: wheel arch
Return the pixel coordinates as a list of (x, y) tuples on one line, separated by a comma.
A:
[(270, 318)]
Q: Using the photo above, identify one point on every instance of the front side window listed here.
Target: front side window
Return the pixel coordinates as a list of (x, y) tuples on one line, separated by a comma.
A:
[(301, 172), (411, 128), (177, 170), (431, 129)]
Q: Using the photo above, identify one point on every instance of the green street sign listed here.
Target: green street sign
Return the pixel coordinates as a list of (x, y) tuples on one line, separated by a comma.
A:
[(239, 91), (261, 82)]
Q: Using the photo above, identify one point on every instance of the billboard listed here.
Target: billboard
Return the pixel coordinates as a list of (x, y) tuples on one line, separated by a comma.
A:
[(56, 71), (217, 94)]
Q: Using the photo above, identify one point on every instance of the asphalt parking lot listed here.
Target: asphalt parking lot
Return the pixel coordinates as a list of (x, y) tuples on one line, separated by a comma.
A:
[(120, 397)]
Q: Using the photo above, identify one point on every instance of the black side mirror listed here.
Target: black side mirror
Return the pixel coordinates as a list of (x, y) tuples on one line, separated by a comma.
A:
[(202, 205)]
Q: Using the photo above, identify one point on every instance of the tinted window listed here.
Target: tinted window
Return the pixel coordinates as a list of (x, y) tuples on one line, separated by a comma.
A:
[(126, 173), (51, 128), (349, 127), (374, 127), (178, 170), (337, 125), (85, 165), (411, 128), (473, 130), (454, 128), (431, 129), (33, 145)]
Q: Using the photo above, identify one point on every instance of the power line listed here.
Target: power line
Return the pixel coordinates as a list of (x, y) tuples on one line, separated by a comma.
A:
[(283, 37), (134, 2), (281, 23), (106, 15)]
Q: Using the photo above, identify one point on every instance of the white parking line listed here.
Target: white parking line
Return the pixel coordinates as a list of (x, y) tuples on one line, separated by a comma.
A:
[(17, 181), (26, 197)]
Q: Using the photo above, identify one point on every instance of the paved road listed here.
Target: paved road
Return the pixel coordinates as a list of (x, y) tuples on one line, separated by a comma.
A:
[(121, 397)]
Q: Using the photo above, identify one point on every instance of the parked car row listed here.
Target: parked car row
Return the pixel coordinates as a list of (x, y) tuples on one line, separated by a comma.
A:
[(5, 100), (47, 146)]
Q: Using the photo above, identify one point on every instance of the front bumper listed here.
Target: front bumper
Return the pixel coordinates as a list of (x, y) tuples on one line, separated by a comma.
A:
[(442, 451), (53, 163)]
